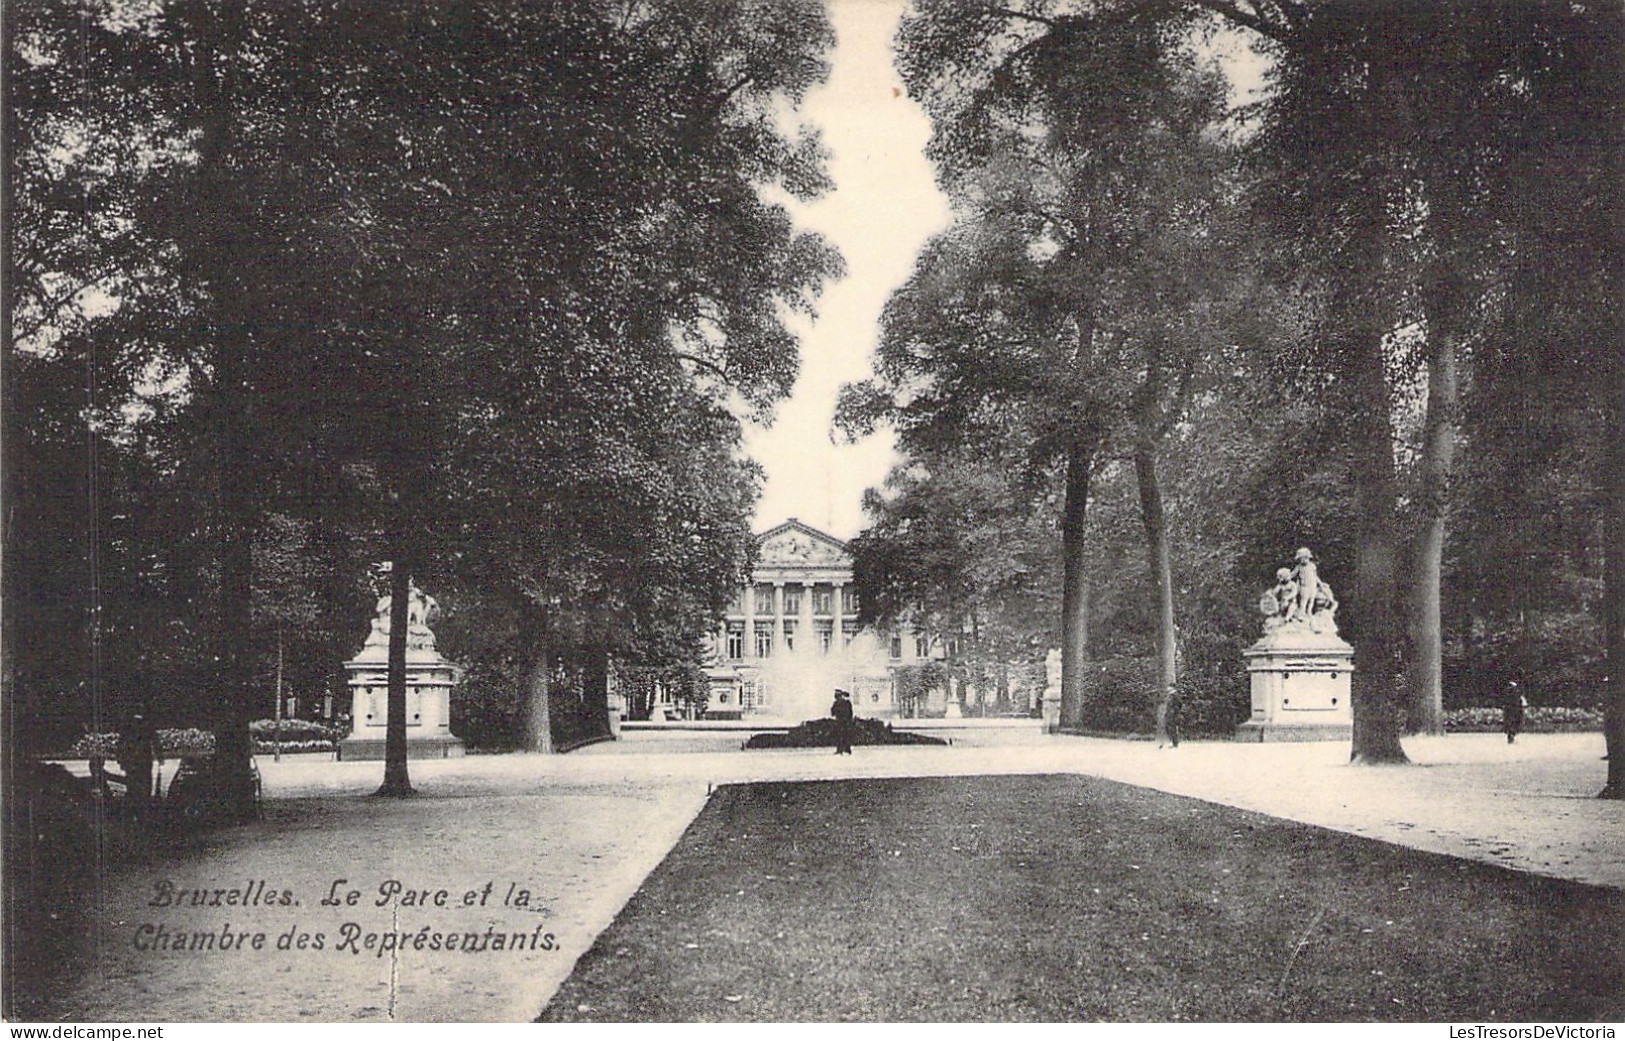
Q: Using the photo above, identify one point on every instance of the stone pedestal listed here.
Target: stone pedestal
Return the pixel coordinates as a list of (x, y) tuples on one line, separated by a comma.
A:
[(1052, 692), (429, 679), (1300, 687)]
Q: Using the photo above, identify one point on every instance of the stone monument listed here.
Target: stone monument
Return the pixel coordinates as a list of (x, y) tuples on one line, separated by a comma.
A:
[(429, 679), (1300, 669), (1052, 691)]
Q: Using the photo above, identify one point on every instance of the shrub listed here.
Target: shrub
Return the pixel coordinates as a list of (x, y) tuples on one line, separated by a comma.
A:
[(820, 733), (172, 744), (91, 746), (1213, 701), (485, 708), (1119, 695), (1556, 659), (298, 735), (293, 747), (1539, 718), (192, 741), (296, 730)]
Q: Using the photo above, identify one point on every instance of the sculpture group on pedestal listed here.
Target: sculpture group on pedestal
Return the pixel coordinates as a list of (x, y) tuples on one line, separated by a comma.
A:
[(1300, 669), (1299, 598), (420, 607), (429, 682)]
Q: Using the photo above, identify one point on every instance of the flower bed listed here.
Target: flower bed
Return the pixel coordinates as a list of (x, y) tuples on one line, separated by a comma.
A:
[(820, 733), (172, 744), (297, 735), (1538, 719)]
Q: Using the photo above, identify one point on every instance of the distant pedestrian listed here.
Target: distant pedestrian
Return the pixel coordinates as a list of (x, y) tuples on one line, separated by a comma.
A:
[(841, 711), (137, 749), (1513, 707), (1170, 717)]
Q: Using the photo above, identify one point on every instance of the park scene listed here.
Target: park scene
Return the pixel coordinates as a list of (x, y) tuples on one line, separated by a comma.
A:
[(650, 511)]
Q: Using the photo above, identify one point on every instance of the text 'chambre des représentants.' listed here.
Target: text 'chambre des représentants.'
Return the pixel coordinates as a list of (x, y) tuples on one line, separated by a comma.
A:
[(348, 937)]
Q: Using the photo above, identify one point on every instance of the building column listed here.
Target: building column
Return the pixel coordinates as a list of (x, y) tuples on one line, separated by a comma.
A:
[(837, 620), (750, 619), (778, 616), (804, 624)]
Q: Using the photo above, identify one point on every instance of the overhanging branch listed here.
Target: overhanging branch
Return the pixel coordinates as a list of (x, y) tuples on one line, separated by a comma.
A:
[(702, 363), (1023, 15), (1249, 19)]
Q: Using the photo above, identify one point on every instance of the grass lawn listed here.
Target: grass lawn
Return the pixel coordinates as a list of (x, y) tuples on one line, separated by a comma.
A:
[(1061, 898)]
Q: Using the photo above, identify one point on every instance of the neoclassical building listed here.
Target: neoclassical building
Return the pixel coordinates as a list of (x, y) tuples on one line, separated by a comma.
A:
[(791, 636)]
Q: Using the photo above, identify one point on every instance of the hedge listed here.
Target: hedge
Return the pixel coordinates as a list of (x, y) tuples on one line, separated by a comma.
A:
[(298, 735)]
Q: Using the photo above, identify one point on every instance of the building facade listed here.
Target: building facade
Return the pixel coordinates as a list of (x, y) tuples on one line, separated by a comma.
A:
[(791, 637)]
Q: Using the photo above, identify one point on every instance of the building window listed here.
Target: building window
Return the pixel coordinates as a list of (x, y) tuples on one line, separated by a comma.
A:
[(922, 645), (792, 602), (826, 634), (736, 642), (849, 632), (822, 602), (764, 641), (951, 646), (852, 605), (896, 647), (789, 636)]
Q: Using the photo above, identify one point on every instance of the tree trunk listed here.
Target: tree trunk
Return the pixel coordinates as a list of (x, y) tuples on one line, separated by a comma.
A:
[(276, 727), (1162, 577), (235, 490), (1426, 665), (1376, 638), (233, 745), (1074, 579), (1614, 593), (595, 687), (533, 636), (397, 782)]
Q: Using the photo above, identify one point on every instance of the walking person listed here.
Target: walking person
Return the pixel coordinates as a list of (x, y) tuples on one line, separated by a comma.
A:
[(1170, 717), (841, 712), (1513, 707), (137, 749)]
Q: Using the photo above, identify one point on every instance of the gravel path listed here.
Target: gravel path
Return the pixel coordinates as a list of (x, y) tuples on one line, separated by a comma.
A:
[(580, 832)]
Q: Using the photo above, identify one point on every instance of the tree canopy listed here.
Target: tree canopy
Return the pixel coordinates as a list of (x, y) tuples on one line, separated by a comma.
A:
[(480, 289)]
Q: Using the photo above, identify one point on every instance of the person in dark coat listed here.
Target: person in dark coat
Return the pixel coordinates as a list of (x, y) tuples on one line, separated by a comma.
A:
[(841, 711), (1170, 719), (1513, 706), (137, 749)]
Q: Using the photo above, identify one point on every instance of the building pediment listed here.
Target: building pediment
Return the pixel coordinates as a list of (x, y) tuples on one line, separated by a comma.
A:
[(793, 544)]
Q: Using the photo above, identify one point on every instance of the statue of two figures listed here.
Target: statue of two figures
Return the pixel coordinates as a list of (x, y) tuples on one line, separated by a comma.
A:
[(420, 607), (1299, 600)]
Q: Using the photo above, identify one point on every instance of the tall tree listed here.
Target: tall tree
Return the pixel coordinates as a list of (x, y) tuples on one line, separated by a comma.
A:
[(1083, 155), (536, 228), (964, 548)]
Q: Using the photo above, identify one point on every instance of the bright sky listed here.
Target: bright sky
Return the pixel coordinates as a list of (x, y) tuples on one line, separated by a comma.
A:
[(884, 207)]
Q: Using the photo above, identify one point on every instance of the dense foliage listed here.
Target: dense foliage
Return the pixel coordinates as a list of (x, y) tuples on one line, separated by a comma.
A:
[(1364, 312), (482, 290)]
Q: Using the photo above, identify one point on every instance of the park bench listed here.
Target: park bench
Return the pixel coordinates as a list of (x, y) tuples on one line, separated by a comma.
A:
[(201, 790)]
